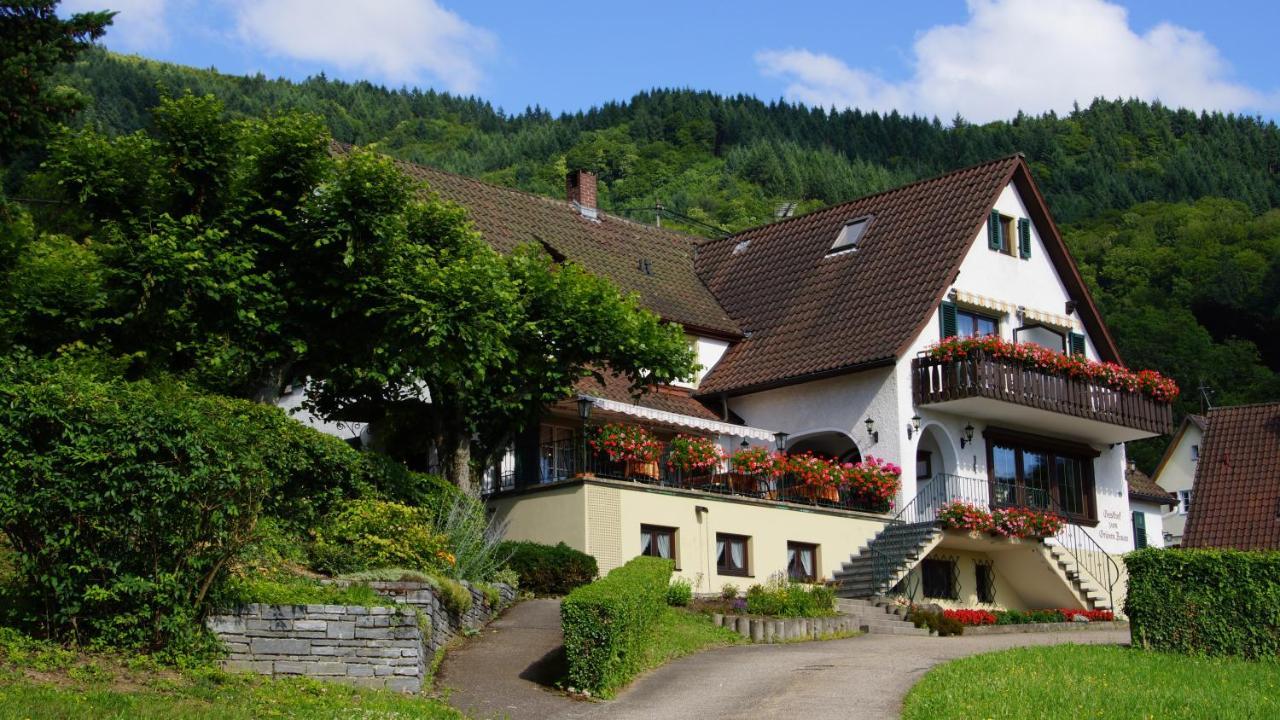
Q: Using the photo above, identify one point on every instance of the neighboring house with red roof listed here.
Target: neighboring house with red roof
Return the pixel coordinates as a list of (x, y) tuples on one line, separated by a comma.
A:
[(1237, 481), (815, 333), (1176, 473)]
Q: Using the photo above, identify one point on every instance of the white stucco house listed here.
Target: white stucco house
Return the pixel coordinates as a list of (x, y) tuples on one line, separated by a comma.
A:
[(1176, 474), (820, 335)]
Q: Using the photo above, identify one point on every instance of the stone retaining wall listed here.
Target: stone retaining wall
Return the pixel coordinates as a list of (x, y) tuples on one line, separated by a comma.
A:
[(772, 630), (366, 646), (1046, 627), (445, 626), (381, 647)]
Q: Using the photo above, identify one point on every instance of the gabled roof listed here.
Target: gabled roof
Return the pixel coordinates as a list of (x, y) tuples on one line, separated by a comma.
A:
[(1200, 421), (608, 246), (1141, 487), (1236, 496), (808, 314)]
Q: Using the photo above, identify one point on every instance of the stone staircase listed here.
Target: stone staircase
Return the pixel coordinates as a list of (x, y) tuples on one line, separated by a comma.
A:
[(879, 616), (1085, 586), (899, 547)]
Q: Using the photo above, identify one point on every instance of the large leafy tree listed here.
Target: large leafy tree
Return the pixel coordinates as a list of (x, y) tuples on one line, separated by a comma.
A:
[(244, 254), (34, 43)]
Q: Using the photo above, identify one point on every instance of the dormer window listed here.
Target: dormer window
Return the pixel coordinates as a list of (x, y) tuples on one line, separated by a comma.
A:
[(850, 235)]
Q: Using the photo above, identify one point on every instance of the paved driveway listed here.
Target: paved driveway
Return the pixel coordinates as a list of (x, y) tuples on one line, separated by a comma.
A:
[(507, 671)]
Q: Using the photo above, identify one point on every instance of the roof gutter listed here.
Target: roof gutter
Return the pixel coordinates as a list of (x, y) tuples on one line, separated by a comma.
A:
[(798, 379)]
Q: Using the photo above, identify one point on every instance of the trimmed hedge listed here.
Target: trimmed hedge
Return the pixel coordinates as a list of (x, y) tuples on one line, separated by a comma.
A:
[(607, 623), (1205, 602), (549, 569)]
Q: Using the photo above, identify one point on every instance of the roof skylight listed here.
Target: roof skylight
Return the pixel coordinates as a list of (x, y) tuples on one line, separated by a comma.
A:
[(850, 235)]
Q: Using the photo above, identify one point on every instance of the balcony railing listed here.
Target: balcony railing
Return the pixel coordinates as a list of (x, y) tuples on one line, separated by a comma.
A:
[(568, 459), (936, 380)]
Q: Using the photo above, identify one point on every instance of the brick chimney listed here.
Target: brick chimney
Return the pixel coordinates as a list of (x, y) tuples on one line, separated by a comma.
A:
[(580, 187)]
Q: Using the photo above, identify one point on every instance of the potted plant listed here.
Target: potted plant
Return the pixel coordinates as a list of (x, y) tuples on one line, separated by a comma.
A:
[(817, 476), (629, 444), (871, 484), (693, 454)]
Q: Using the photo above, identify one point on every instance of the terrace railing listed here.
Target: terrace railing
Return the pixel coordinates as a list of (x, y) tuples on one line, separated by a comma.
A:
[(936, 380), (567, 459)]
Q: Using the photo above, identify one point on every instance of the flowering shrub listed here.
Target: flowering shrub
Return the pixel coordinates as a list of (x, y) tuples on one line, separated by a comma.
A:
[(960, 515), (1078, 367), (872, 482), (626, 443), (1025, 523), (754, 460), (971, 617), (692, 452), (1001, 522)]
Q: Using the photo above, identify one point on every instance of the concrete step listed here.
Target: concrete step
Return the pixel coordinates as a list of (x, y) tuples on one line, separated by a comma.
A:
[(895, 628)]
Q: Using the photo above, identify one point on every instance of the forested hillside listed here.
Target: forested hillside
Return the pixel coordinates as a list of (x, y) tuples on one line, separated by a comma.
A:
[(1169, 212)]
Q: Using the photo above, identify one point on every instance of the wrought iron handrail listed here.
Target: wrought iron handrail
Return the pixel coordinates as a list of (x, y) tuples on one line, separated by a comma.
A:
[(1088, 554)]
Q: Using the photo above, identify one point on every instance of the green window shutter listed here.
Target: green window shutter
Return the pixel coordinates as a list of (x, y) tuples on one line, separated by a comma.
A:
[(1139, 530), (948, 322), (1024, 238), (1077, 344), (993, 230)]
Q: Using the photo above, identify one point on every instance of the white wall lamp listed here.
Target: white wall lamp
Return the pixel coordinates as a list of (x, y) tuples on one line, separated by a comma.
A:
[(968, 435), (914, 427)]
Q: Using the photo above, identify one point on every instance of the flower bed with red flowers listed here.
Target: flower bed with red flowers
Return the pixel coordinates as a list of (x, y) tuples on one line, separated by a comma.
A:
[(626, 443), (694, 453), (1148, 382), (971, 617), (1001, 522)]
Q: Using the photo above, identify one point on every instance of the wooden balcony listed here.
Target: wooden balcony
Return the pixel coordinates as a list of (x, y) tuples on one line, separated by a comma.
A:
[(1005, 392)]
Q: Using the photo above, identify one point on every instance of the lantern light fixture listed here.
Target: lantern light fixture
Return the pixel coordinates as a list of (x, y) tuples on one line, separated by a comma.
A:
[(871, 430), (968, 435)]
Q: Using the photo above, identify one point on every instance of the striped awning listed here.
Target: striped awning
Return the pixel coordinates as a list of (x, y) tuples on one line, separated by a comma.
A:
[(670, 418), (982, 301), (1047, 318), (1005, 308)]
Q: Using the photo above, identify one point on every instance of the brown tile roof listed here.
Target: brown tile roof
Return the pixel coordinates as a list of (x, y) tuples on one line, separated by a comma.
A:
[(807, 314), (609, 246), (1236, 497), (1142, 487)]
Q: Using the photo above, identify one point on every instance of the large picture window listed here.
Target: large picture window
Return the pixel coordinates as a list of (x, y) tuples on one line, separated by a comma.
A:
[(1027, 471), (971, 324)]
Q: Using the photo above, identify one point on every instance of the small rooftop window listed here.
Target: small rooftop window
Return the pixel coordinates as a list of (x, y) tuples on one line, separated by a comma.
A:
[(850, 235)]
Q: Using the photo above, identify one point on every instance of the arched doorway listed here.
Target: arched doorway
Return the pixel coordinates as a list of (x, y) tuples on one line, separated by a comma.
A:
[(827, 443), (935, 469)]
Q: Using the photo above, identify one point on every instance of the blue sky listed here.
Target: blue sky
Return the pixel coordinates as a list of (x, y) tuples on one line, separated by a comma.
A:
[(984, 59)]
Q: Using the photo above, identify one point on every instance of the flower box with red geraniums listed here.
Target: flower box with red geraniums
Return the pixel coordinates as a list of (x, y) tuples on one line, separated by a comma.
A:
[(1025, 523), (692, 453), (626, 443), (756, 460), (1078, 367), (971, 618), (960, 515), (1001, 522), (872, 483), (812, 470)]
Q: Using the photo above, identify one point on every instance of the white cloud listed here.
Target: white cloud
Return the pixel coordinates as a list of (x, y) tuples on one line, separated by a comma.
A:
[(1027, 55), (138, 25), (396, 41)]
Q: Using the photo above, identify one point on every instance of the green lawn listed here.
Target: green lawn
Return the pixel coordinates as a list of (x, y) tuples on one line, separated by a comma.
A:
[(680, 633), (1091, 681), (42, 681)]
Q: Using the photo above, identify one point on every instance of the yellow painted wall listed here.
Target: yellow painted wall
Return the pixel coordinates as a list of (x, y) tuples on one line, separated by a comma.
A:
[(1007, 595), (604, 519)]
